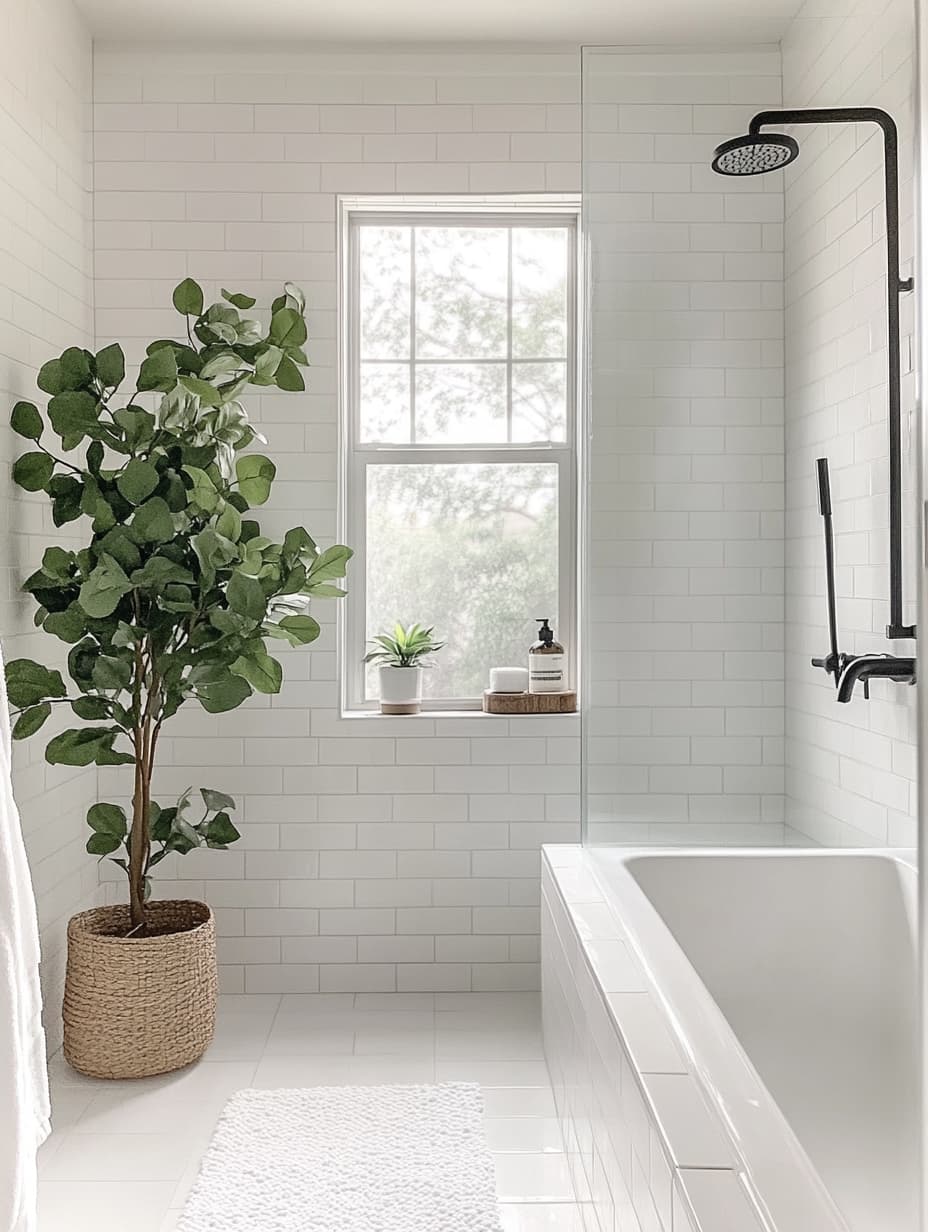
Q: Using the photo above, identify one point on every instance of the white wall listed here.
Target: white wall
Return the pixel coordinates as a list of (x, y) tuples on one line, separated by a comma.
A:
[(850, 769), (45, 305), (379, 857), (377, 853), (684, 739)]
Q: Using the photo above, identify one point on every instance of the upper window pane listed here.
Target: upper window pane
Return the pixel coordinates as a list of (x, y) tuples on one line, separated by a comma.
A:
[(460, 403), (385, 292), (539, 292), (463, 332), (539, 401), (461, 292), (385, 403)]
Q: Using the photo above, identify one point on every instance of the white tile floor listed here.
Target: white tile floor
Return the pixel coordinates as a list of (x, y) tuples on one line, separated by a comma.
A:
[(123, 1155)]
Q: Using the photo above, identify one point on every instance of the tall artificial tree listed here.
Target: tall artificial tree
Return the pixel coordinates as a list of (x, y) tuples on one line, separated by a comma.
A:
[(177, 594)]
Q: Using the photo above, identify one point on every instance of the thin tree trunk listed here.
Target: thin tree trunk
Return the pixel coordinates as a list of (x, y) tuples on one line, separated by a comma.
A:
[(139, 837)]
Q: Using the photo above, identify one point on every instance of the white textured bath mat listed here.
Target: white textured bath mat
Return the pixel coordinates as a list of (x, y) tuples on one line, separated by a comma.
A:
[(347, 1159)]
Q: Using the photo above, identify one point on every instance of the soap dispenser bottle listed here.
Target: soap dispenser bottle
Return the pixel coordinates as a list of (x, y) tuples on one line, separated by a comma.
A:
[(547, 662)]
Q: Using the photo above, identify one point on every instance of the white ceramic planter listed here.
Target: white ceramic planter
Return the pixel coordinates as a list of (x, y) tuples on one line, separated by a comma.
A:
[(400, 690)]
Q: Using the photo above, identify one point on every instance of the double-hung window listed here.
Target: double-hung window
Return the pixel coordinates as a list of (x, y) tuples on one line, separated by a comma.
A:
[(460, 376)]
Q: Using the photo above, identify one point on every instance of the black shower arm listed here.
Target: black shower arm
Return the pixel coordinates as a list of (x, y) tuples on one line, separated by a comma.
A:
[(854, 115), (895, 286)]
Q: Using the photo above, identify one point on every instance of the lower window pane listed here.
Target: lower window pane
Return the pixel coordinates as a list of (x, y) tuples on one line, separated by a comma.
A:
[(471, 549)]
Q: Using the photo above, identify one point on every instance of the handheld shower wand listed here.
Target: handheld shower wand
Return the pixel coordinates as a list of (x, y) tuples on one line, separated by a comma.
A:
[(834, 661)]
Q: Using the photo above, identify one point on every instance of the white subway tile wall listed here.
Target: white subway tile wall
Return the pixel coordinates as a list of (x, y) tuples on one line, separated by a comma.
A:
[(685, 512), (378, 854), (379, 857), (45, 305), (850, 769)]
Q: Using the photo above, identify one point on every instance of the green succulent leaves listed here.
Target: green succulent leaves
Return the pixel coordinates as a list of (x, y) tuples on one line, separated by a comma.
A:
[(175, 592), (405, 647)]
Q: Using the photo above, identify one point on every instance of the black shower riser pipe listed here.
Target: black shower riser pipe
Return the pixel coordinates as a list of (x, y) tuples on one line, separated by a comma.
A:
[(895, 286)]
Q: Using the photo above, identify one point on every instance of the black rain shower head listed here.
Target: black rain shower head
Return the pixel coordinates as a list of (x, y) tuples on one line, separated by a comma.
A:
[(754, 154)]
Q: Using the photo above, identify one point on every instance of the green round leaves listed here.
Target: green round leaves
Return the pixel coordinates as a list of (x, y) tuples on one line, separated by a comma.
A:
[(31, 720), (246, 596), (188, 298), (239, 299), (288, 328), (32, 471), (152, 522), (289, 377), (74, 414), (69, 625), (217, 696), (255, 475), (208, 394), (70, 371), (29, 683), (106, 585), (110, 364), (26, 421), (137, 481), (261, 671), (159, 370), (86, 746), (219, 831), (329, 564), (137, 426), (57, 563), (298, 630), (110, 827)]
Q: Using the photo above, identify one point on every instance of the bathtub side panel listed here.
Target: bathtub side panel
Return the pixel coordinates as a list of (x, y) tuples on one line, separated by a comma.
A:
[(628, 1156)]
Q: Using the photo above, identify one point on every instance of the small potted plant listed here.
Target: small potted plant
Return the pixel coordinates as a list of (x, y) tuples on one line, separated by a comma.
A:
[(402, 656), (174, 598)]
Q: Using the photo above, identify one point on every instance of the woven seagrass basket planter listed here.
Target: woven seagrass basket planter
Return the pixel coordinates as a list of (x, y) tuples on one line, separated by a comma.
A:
[(138, 1006)]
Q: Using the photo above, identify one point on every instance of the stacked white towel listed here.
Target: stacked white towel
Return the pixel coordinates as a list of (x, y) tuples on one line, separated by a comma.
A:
[(24, 1122)]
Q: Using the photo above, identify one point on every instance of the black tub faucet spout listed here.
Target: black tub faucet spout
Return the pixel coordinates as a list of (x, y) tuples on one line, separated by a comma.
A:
[(869, 666)]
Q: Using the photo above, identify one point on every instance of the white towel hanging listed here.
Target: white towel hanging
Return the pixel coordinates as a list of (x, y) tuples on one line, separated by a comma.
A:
[(23, 1072)]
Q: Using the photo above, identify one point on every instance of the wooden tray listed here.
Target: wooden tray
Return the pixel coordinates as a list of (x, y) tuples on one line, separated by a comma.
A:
[(530, 703)]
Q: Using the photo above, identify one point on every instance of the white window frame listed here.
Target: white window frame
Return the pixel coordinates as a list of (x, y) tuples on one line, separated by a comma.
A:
[(355, 457)]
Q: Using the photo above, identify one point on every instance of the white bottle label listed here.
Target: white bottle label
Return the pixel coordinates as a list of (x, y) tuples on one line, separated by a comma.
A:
[(546, 673)]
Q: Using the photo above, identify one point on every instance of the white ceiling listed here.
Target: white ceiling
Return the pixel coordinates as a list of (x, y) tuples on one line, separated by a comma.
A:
[(429, 21)]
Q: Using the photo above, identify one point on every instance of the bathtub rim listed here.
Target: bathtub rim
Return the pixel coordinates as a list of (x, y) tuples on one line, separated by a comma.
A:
[(762, 1141)]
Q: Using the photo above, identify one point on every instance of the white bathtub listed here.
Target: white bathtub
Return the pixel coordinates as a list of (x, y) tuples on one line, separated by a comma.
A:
[(789, 978)]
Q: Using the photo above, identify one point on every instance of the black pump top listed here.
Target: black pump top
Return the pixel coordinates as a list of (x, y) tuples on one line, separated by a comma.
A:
[(545, 633)]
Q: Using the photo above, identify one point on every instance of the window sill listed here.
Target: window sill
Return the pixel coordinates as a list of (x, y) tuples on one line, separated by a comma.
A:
[(434, 715)]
